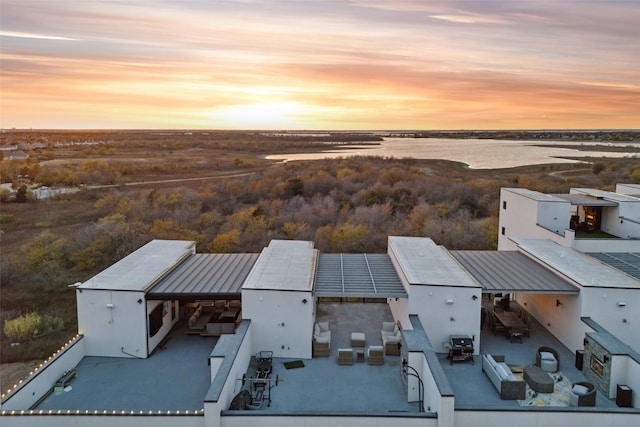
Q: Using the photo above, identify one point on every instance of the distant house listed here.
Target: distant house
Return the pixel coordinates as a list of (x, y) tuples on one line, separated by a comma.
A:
[(16, 155)]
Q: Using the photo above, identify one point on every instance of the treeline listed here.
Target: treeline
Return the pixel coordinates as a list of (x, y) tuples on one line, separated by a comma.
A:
[(346, 205)]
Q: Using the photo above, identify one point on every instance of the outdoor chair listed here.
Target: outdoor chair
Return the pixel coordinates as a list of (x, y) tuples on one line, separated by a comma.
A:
[(548, 359), (527, 328), (582, 394), (497, 326)]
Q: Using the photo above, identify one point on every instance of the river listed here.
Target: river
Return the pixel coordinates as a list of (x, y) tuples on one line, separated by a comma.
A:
[(476, 153)]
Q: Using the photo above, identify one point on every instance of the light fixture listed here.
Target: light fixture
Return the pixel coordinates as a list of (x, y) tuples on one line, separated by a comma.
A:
[(304, 301), (449, 301), (139, 300), (110, 305), (558, 303), (621, 303), (475, 297)]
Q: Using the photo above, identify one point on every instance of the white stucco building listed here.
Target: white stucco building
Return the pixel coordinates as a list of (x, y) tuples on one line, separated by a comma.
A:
[(582, 292)]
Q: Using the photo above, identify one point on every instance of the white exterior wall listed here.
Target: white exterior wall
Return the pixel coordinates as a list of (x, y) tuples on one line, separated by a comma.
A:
[(429, 302), (620, 221), (601, 304), (605, 245), (167, 322), (629, 220), (554, 216), (400, 311), (561, 321), (619, 369), (44, 377), (107, 331), (519, 214), (522, 216), (280, 321), (112, 419), (633, 381)]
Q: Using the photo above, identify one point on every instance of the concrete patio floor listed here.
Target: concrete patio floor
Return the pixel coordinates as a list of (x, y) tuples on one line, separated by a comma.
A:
[(323, 386), (176, 377), (472, 387)]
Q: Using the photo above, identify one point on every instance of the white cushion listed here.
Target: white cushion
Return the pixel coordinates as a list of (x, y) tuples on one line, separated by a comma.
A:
[(545, 355), (503, 371), (491, 361), (323, 339), (579, 389), (392, 338), (316, 329), (396, 331), (324, 326)]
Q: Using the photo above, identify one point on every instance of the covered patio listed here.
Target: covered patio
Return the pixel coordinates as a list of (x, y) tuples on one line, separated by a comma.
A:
[(472, 386)]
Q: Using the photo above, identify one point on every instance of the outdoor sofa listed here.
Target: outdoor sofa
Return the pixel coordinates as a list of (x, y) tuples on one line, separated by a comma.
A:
[(509, 387)]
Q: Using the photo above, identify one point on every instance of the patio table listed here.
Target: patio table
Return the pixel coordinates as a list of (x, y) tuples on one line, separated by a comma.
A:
[(510, 321), (538, 379)]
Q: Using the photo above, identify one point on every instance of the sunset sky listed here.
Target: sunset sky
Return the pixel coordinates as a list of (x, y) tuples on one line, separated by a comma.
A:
[(350, 64)]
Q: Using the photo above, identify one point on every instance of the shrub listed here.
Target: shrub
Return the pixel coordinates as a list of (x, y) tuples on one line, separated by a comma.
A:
[(31, 325), (6, 218)]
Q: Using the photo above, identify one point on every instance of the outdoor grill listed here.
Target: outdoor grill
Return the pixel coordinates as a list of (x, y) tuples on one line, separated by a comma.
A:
[(460, 349)]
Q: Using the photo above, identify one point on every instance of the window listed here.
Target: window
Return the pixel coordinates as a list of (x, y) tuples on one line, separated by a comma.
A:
[(503, 230), (504, 204)]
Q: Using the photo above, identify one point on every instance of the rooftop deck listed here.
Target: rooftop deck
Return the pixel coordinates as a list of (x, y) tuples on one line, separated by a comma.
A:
[(324, 386), (176, 377)]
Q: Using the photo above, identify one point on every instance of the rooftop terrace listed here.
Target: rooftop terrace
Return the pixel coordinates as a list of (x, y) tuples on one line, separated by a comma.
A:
[(176, 377)]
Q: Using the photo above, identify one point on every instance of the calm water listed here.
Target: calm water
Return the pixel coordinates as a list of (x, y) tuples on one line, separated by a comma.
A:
[(477, 153)]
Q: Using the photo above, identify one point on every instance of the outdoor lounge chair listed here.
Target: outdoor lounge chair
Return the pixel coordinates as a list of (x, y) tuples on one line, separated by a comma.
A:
[(548, 359), (583, 394), (321, 345), (391, 338)]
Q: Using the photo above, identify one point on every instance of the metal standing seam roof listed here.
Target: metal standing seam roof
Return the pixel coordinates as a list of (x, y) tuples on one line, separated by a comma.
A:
[(206, 276), (627, 262), (511, 271), (357, 275)]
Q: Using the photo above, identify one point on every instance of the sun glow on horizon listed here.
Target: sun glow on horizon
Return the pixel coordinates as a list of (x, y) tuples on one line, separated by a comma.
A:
[(261, 115)]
